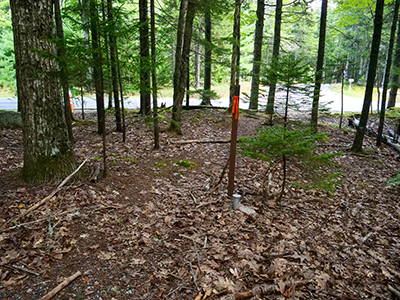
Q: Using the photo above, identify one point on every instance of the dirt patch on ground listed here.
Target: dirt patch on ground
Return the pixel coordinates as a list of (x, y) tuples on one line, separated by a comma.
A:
[(154, 229)]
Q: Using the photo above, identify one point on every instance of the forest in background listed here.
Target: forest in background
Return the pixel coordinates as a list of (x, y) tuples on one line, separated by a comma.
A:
[(348, 40)]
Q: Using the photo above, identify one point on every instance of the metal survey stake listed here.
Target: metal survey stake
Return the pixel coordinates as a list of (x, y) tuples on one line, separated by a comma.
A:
[(232, 156)]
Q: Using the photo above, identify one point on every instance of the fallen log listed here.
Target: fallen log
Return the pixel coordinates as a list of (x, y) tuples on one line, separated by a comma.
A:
[(385, 138)]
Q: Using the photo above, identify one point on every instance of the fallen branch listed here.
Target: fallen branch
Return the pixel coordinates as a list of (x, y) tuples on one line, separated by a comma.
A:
[(258, 290), (62, 285), (24, 270), (394, 291), (364, 239), (37, 221), (32, 208), (222, 174), (203, 141)]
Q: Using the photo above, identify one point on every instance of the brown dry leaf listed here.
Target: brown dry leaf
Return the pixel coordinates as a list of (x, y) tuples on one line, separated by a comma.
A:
[(322, 280), (58, 256), (10, 282), (208, 293), (199, 296)]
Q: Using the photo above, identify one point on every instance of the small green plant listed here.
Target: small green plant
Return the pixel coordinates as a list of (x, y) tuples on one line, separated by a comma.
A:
[(161, 164), (130, 159), (97, 159), (394, 181), (279, 144), (186, 163)]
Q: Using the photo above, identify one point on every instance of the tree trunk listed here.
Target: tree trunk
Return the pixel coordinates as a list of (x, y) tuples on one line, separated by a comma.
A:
[(275, 57), (144, 59), (197, 64), (108, 84), (47, 148), (154, 75), (387, 72), (63, 66), (320, 63), (114, 74), (373, 62), (207, 59), (396, 75), (97, 66), (180, 75), (235, 61), (258, 37)]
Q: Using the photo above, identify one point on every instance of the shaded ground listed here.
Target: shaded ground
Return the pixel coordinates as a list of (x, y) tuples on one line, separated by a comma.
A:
[(156, 230)]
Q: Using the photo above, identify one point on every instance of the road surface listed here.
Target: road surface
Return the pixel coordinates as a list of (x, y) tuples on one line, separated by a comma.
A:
[(328, 97)]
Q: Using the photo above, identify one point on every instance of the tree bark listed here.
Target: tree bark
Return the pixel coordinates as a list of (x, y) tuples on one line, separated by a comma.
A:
[(181, 66), (320, 64), (154, 75), (373, 62), (108, 81), (63, 67), (258, 38), (144, 59), (114, 74), (387, 72), (275, 57), (396, 74), (97, 66), (207, 59), (235, 60), (47, 148)]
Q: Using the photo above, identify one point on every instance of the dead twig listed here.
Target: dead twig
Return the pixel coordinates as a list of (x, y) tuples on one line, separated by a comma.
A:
[(203, 141), (62, 285), (364, 239), (32, 208), (222, 174), (36, 221), (394, 291), (15, 267)]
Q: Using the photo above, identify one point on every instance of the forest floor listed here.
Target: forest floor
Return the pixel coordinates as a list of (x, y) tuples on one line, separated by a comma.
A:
[(154, 229)]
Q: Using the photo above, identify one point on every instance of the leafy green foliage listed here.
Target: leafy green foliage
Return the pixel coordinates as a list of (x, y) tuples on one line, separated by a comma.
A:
[(186, 163), (394, 181), (298, 146), (273, 142)]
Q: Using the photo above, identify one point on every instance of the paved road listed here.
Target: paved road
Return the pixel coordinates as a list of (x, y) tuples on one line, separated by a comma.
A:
[(327, 95)]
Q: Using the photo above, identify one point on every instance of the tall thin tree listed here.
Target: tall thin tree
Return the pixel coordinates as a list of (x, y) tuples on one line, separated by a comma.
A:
[(373, 62), (387, 72), (395, 72), (144, 58), (97, 66), (320, 64), (181, 73), (61, 52), (257, 54), (113, 57), (207, 58), (275, 57), (154, 75), (235, 60)]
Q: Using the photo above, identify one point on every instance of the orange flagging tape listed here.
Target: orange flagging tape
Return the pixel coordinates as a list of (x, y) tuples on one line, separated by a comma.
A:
[(235, 107)]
